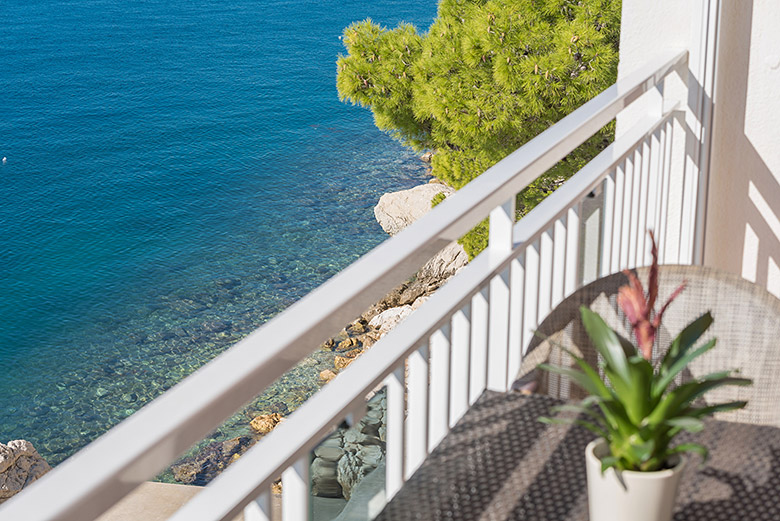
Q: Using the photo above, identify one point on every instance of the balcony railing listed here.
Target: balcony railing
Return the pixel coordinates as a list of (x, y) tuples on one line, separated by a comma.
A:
[(468, 337)]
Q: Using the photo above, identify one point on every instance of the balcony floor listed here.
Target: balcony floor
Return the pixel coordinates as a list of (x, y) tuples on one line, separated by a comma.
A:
[(500, 463)]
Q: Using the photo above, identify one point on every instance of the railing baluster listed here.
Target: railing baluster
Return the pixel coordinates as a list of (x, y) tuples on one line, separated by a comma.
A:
[(628, 209), (531, 304), (417, 410), (479, 333), (259, 509), (295, 491), (607, 225), (459, 379), (502, 220), (498, 334), (669, 131), (394, 442), (545, 274), (641, 224), (439, 394), (688, 211), (656, 180), (636, 189), (617, 220), (572, 282), (516, 301), (659, 177), (559, 261)]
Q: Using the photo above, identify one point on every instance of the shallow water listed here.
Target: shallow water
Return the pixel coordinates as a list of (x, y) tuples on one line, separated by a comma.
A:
[(177, 173)]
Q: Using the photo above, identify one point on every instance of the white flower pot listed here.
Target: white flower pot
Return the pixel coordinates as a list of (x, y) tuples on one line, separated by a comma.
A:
[(646, 496)]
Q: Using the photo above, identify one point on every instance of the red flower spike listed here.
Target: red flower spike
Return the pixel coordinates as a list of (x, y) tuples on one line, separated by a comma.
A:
[(638, 307)]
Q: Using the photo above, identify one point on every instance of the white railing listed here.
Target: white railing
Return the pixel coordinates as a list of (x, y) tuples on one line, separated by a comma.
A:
[(466, 338)]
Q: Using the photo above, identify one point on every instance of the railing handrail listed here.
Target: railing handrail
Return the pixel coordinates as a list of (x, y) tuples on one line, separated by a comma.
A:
[(94, 479), (307, 425)]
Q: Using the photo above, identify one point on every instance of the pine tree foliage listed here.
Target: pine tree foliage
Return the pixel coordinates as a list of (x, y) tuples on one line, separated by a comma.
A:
[(488, 76)]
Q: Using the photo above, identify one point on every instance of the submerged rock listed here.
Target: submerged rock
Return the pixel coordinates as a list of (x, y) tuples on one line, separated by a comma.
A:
[(20, 465), (211, 461), (265, 423), (228, 282)]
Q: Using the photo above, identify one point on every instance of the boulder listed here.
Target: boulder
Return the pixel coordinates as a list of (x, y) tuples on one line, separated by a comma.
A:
[(394, 212), (354, 466), (443, 265), (347, 344), (324, 480), (209, 462), (340, 362), (397, 210), (388, 319), (20, 465), (265, 423)]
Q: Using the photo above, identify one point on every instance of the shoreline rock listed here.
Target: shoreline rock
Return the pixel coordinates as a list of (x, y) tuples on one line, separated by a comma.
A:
[(20, 465), (397, 210)]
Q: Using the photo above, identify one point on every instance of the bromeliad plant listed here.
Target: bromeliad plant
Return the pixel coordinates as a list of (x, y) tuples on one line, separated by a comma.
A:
[(637, 409)]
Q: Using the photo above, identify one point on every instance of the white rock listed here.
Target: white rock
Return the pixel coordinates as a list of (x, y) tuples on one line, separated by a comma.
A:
[(397, 210), (445, 263), (389, 318), (20, 465)]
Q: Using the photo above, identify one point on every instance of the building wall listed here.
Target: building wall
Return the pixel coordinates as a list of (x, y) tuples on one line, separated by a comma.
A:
[(743, 225), (742, 232)]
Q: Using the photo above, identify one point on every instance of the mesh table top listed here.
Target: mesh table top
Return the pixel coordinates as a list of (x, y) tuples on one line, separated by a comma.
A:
[(500, 463)]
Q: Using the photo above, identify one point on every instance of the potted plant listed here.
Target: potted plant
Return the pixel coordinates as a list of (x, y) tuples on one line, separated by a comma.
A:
[(633, 468)]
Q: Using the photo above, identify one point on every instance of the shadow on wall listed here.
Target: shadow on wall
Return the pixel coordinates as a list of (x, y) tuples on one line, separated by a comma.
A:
[(743, 228)]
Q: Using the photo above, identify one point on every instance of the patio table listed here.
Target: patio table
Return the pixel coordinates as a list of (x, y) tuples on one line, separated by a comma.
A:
[(500, 463)]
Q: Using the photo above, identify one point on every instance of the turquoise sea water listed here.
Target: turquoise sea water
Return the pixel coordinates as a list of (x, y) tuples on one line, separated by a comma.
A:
[(176, 173)]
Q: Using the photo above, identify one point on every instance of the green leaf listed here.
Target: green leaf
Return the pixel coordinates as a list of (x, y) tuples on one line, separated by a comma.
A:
[(667, 375), (592, 427), (635, 393), (673, 402), (608, 462), (643, 451), (686, 423), (701, 412), (691, 447), (584, 380), (578, 408), (685, 340), (606, 343)]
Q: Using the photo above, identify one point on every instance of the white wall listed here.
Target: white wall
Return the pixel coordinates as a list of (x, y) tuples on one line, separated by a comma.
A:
[(743, 225), (735, 64)]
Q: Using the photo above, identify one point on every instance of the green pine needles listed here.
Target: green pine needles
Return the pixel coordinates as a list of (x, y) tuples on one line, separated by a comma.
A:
[(486, 78)]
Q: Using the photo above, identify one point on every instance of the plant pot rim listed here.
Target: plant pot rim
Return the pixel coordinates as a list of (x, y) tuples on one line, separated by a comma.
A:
[(598, 443)]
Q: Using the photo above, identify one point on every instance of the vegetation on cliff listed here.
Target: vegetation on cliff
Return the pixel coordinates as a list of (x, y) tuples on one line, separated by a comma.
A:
[(488, 76)]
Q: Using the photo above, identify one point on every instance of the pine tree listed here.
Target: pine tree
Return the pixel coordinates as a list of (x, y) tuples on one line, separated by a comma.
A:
[(486, 78)]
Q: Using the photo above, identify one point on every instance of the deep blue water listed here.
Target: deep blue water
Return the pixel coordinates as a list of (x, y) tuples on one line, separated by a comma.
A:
[(177, 173)]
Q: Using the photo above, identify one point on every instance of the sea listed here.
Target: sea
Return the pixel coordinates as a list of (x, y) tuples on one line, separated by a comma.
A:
[(174, 173)]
